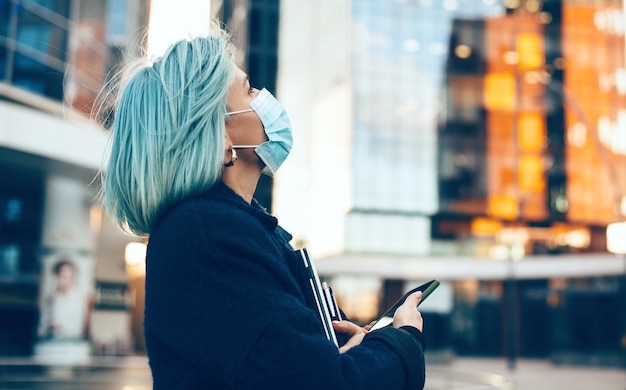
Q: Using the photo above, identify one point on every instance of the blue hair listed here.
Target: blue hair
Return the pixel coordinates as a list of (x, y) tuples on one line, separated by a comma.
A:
[(168, 134)]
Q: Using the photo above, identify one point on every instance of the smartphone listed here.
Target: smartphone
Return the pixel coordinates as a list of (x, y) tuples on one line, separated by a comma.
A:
[(387, 317)]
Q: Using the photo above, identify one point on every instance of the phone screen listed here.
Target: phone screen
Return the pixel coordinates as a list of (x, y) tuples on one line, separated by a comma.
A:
[(387, 317)]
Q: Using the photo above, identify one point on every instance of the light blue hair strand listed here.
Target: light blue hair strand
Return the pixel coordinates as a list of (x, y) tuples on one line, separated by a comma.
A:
[(168, 134)]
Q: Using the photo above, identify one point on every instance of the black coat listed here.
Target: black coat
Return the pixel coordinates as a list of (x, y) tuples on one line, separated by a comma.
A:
[(225, 309)]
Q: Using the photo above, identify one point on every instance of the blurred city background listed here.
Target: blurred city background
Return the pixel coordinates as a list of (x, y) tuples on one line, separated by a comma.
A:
[(478, 142)]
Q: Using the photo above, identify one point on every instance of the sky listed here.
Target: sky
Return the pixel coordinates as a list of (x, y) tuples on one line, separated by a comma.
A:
[(174, 20)]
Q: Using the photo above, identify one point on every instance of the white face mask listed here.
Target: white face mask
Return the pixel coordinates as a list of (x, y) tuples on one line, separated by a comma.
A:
[(277, 128)]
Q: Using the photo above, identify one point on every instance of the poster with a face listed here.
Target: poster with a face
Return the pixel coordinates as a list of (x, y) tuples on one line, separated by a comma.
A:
[(66, 292)]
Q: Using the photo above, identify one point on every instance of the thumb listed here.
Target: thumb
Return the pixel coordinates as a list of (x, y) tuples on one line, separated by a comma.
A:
[(413, 299)]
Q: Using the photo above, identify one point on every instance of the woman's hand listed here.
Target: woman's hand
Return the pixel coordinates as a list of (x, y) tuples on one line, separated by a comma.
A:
[(369, 326), (407, 314), (355, 332)]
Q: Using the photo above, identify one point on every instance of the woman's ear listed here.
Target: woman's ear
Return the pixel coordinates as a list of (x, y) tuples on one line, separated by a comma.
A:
[(230, 155)]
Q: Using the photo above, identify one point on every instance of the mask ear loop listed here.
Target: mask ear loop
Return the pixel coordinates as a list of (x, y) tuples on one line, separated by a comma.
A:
[(233, 158), (237, 112)]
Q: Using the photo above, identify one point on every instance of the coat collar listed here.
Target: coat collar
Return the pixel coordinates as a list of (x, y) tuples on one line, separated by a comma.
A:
[(225, 193)]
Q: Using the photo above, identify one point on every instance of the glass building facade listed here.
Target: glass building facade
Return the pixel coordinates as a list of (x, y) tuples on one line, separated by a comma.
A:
[(493, 130), (54, 57), (33, 45), (400, 53), (33, 57), (517, 104)]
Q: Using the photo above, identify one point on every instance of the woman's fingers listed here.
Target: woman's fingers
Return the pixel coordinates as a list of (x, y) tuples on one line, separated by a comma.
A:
[(414, 299), (355, 332), (347, 327), (407, 314), (353, 342), (369, 326)]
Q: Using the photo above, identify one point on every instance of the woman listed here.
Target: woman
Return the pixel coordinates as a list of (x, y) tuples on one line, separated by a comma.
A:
[(226, 304)]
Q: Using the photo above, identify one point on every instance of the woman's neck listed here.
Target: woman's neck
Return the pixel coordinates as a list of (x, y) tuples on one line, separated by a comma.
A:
[(242, 182)]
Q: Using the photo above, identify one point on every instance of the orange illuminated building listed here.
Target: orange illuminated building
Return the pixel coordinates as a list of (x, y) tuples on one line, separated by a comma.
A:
[(532, 157), (516, 126), (593, 56), (545, 142)]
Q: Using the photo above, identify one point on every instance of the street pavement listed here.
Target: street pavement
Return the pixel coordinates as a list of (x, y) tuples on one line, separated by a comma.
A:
[(527, 375), (99, 373), (132, 373)]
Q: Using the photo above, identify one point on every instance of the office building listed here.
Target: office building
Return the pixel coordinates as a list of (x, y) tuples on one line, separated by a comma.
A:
[(478, 142), (54, 58)]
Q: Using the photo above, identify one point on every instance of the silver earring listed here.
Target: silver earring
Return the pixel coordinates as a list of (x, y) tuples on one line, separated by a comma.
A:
[(233, 158)]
